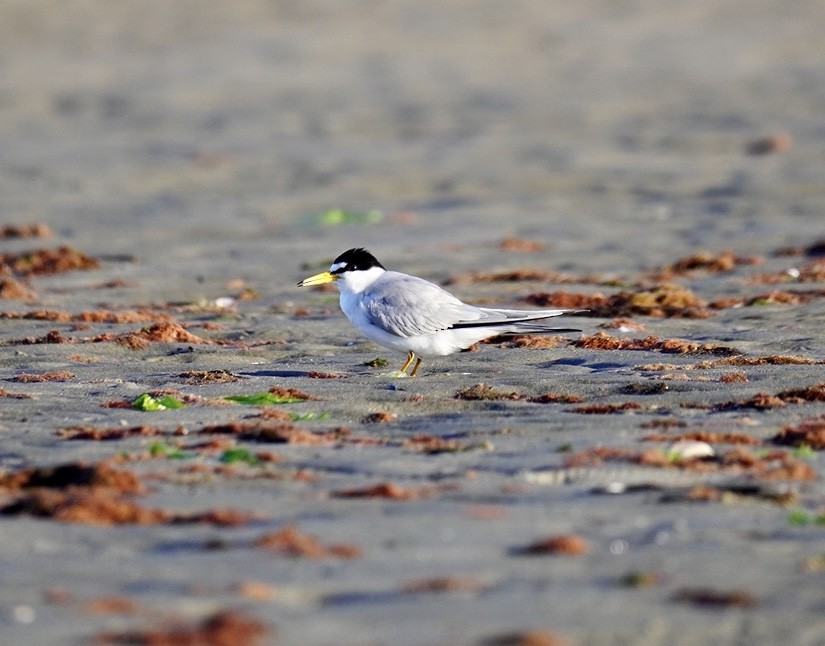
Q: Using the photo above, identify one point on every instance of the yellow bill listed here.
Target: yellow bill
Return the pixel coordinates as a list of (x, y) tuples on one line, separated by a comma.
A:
[(318, 279)]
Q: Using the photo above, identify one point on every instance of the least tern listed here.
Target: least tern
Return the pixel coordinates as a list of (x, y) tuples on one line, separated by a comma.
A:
[(410, 314)]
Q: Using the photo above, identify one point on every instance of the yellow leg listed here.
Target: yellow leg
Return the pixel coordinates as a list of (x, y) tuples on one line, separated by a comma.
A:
[(415, 369), (408, 362)]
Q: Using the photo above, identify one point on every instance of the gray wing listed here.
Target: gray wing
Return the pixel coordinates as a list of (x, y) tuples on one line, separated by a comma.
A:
[(409, 306)]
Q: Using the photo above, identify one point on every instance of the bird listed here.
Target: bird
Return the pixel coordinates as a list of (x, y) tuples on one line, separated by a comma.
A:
[(407, 313)]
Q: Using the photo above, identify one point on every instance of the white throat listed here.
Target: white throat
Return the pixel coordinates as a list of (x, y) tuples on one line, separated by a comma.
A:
[(355, 282)]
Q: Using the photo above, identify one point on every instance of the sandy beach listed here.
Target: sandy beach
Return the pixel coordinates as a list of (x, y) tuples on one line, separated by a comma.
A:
[(196, 451)]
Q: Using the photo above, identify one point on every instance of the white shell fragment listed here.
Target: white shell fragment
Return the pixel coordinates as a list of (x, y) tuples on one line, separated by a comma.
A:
[(224, 302), (690, 449)]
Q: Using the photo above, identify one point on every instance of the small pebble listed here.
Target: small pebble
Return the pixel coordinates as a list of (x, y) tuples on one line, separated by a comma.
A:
[(619, 546), (23, 614)]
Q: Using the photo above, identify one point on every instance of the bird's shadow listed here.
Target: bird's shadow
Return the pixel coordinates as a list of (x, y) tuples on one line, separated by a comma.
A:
[(604, 366)]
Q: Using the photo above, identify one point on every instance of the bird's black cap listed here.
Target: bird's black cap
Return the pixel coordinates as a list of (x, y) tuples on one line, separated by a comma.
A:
[(357, 259)]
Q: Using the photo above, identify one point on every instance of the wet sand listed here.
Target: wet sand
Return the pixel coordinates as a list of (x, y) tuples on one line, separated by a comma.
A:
[(207, 156)]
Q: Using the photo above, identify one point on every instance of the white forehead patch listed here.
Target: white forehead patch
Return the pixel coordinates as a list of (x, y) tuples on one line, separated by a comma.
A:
[(336, 266)]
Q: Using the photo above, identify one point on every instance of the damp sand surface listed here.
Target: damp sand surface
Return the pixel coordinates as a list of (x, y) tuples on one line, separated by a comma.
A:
[(170, 172)]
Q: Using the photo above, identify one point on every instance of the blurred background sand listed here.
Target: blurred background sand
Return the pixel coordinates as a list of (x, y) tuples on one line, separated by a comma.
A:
[(204, 138)]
